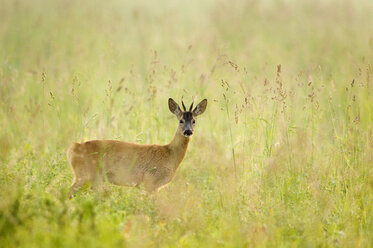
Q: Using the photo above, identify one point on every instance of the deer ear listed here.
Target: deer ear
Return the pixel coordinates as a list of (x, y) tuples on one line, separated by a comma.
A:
[(174, 107), (200, 108)]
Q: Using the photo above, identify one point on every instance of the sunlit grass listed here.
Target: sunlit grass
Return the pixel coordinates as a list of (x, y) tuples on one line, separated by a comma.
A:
[(282, 157)]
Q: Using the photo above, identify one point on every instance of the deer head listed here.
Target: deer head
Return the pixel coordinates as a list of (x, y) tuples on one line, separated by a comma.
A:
[(187, 118)]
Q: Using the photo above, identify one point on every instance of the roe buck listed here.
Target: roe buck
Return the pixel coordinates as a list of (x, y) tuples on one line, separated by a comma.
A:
[(129, 164)]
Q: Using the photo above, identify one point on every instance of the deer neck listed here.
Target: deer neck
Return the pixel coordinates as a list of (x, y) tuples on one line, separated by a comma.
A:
[(178, 147)]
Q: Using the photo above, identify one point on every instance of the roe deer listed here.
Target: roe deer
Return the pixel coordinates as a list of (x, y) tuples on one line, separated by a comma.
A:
[(129, 164)]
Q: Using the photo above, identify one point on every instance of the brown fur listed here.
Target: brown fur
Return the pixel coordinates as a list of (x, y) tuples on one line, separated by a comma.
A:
[(128, 164)]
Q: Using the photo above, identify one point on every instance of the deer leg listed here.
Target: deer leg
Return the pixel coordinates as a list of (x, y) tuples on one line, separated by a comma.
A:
[(150, 188), (153, 182), (98, 184), (78, 183)]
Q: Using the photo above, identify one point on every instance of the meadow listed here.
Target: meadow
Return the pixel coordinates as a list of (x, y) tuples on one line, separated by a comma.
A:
[(282, 157)]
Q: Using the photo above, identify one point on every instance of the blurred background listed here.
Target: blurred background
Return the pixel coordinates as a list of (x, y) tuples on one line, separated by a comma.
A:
[(282, 156)]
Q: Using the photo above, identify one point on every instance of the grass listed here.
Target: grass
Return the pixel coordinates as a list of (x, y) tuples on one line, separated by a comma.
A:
[(282, 157)]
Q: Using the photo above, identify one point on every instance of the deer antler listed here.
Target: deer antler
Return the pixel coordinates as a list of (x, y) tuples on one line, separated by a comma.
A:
[(182, 102), (191, 106)]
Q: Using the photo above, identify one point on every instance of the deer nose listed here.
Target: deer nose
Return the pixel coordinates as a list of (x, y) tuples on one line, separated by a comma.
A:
[(188, 133)]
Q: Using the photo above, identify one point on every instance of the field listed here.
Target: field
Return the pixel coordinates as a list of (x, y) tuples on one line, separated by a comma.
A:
[(282, 157)]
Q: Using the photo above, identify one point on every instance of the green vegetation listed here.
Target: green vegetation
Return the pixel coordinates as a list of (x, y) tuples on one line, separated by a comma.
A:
[(283, 156)]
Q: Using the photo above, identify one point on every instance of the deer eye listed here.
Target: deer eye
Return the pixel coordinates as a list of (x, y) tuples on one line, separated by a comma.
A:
[(181, 121), (194, 122)]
